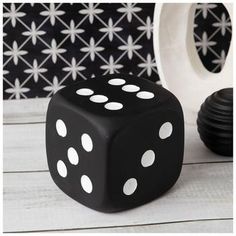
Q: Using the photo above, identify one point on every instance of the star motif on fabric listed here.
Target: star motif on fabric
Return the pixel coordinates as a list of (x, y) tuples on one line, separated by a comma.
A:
[(54, 51), (72, 31), (129, 9), (92, 49), (54, 87), (110, 29), (204, 44), (17, 90), (33, 33), (112, 66), (35, 70), (91, 11), (13, 14), (148, 27), (52, 12), (220, 61), (223, 24), (205, 8), (74, 69), (130, 47), (15, 52), (149, 64)]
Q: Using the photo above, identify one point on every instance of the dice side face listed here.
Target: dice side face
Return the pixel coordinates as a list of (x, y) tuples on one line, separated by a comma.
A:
[(76, 154), (146, 157)]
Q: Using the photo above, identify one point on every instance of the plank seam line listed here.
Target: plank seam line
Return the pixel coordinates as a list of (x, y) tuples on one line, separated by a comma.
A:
[(185, 164), (24, 171), (43, 122), (207, 162), (123, 226), (25, 123)]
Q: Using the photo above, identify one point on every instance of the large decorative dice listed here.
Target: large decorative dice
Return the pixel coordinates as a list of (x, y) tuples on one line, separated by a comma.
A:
[(114, 142)]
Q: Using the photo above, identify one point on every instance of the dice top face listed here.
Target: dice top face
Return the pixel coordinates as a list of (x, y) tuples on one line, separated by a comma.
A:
[(115, 95), (112, 171)]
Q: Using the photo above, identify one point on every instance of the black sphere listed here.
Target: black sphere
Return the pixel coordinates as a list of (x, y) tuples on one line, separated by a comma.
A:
[(215, 122)]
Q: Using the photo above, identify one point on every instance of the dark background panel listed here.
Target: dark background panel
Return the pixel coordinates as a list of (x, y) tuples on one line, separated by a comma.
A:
[(48, 46)]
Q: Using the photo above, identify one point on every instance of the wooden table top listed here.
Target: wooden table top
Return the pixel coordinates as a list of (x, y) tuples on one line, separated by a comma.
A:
[(200, 201)]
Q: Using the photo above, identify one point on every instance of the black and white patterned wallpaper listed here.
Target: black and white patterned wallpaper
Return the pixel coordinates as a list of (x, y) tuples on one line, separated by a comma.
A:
[(48, 46), (212, 34)]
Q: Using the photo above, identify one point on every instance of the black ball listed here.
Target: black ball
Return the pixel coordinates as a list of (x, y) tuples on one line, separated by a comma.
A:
[(215, 122)]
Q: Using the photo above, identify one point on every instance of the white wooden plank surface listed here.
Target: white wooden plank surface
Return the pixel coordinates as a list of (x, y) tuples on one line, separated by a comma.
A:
[(25, 110), (33, 202), (205, 226), (24, 148)]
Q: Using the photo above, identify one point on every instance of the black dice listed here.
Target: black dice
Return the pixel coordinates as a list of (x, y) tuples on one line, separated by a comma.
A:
[(114, 142)]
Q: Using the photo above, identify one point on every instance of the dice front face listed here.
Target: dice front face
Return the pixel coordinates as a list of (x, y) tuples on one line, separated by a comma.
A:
[(146, 158), (114, 143), (76, 156)]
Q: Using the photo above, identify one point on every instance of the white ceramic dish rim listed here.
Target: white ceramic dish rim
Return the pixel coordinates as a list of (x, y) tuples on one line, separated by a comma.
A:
[(179, 66)]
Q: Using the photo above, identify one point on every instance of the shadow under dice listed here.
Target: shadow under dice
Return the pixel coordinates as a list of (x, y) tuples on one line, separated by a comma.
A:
[(114, 142)]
